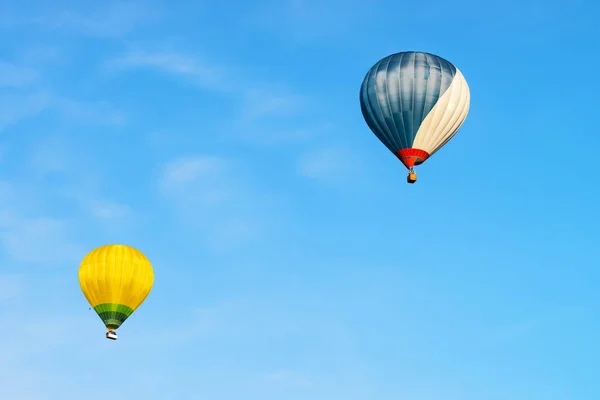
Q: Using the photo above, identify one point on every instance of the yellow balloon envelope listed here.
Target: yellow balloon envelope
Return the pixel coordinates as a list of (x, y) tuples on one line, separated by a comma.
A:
[(115, 279)]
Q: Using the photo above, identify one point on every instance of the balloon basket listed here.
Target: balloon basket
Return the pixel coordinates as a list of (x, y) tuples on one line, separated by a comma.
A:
[(411, 178)]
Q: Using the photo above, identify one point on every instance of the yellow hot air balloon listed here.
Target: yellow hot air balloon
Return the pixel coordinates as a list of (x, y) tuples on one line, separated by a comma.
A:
[(115, 279)]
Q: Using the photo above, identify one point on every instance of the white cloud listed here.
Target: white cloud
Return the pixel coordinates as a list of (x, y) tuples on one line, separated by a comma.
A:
[(26, 235), (303, 20), (10, 287), (514, 331), (107, 20), (265, 102), (14, 76), (43, 56), (43, 240), (197, 71), (64, 328), (268, 112), (16, 107), (526, 326), (19, 383), (331, 165), (82, 177), (213, 195), (26, 367), (39, 221), (190, 169), (103, 209), (204, 179), (49, 156), (38, 240), (234, 319), (289, 378), (88, 113), (258, 99)]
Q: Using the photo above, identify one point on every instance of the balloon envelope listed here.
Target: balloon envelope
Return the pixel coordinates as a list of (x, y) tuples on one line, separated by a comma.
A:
[(115, 279), (415, 103)]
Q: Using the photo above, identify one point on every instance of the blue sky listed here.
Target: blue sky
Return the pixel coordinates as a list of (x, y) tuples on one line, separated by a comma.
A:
[(292, 260)]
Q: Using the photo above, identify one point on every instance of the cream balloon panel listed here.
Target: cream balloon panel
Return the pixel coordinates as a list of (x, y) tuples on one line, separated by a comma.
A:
[(445, 118)]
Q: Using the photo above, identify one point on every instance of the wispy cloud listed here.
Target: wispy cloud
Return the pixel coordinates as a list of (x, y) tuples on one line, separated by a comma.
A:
[(208, 177), (212, 194), (12, 75), (267, 102), (514, 331), (243, 318), (38, 240), (201, 322), (25, 359), (82, 178), (88, 113), (106, 210), (268, 113), (17, 107), (27, 233), (258, 99), (193, 69), (523, 328), (42, 56), (289, 378), (31, 229), (40, 217), (10, 287), (109, 19), (303, 20), (330, 165)]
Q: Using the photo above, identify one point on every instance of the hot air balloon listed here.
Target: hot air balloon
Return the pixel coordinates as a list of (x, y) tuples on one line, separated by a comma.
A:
[(115, 280), (415, 103)]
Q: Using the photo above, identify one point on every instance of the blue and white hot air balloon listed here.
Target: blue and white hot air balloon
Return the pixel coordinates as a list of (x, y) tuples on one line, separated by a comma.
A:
[(415, 103)]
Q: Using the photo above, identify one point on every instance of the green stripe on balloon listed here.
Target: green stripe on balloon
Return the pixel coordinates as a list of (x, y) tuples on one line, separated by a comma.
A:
[(113, 315)]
